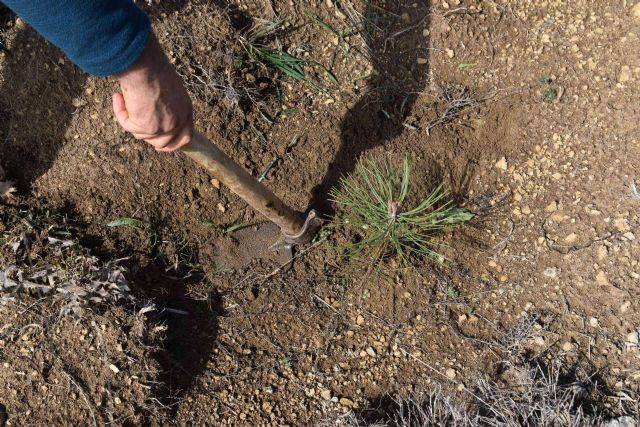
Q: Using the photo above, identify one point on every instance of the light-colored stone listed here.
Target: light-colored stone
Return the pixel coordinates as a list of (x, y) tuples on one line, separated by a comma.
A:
[(344, 401), (325, 394), (601, 278), (635, 11), (624, 307), (602, 252), (502, 164), (539, 341), (621, 224), (625, 74), (451, 373)]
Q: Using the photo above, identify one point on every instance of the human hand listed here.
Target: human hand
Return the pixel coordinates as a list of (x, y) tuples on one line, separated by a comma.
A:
[(154, 105)]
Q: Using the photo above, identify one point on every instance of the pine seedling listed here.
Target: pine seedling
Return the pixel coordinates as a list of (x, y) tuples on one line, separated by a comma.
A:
[(373, 201)]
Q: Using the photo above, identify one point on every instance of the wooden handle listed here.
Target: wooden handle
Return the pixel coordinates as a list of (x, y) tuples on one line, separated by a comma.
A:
[(259, 197)]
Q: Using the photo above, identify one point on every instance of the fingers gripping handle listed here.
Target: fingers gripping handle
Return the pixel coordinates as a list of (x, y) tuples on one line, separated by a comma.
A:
[(223, 168)]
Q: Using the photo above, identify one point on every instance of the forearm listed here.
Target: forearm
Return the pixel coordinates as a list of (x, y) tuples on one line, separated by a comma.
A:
[(114, 38), (103, 37)]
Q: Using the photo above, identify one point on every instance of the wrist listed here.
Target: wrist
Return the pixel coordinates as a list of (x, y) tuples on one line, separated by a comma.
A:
[(151, 63)]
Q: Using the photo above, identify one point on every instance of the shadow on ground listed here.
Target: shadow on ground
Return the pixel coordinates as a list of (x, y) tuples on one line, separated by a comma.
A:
[(399, 50), (192, 327), (38, 97)]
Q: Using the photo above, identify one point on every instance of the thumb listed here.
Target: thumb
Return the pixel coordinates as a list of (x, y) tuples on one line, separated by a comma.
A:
[(120, 109)]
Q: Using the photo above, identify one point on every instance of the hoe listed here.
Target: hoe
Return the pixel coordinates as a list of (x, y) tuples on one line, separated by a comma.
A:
[(295, 228)]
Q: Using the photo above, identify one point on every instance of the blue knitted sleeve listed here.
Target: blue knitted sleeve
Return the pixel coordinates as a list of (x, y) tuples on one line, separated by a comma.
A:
[(103, 37)]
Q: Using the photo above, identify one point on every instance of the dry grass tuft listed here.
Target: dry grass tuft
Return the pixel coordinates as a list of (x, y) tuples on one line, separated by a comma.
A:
[(526, 391), (46, 262)]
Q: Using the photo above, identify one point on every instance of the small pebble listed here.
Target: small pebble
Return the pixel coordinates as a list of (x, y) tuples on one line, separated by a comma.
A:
[(625, 306), (601, 278), (346, 402), (501, 164), (540, 341)]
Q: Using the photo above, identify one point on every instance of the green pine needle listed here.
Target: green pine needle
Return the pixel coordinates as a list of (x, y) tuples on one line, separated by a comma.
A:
[(373, 201)]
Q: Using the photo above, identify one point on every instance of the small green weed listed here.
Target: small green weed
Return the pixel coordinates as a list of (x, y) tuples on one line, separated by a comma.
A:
[(227, 229), (373, 202), (277, 58), (126, 221), (286, 63), (466, 66), (550, 91), (140, 225), (452, 292)]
